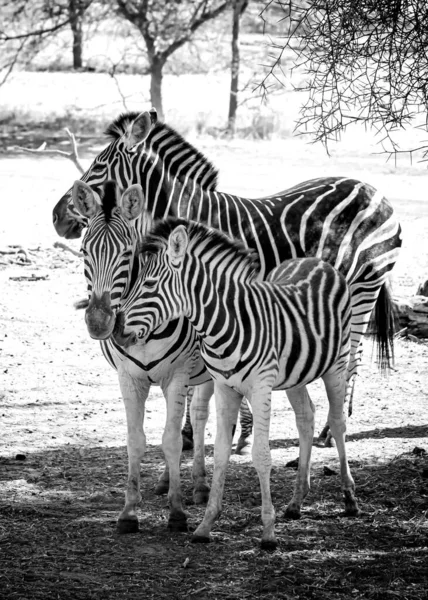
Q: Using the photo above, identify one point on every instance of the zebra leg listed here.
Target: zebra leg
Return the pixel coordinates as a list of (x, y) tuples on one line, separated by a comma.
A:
[(262, 461), (304, 411), (187, 431), (175, 393), (199, 414), (325, 436), (377, 303), (335, 384), (227, 403), (134, 393), (246, 421)]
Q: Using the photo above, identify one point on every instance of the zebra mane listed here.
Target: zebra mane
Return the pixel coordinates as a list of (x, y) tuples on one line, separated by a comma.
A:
[(156, 239), (206, 173), (109, 199)]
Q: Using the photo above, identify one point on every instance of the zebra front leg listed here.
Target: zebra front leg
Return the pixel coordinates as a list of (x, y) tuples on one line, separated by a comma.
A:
[(199, 415), (175, 391), (134, 394), (227, 403), (335, 384), (262, 461), (304, 411)]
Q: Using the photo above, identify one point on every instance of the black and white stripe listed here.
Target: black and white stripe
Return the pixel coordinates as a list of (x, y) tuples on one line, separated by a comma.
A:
[(341, 220)]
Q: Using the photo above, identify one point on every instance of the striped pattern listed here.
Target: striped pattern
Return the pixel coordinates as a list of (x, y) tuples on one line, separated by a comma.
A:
[(300, 315), (340, 220), (256, 335), (170, 359)]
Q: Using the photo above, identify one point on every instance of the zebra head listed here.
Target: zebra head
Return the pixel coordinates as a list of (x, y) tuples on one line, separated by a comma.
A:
[(157, 296), (142, 151), (109, 249), (115, 162)]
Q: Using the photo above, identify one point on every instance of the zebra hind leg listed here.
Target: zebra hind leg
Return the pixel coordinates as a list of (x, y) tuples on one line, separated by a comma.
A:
[(246, 421), (304, 411), (187, 431), (199, 414), (335, 384)]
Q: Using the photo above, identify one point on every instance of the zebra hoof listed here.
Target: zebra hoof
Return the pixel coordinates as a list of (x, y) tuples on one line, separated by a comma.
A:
[(124, 526), (351, 506), (201, 495), (269, 545), (178, 523), (243, 446), (161, 488), (352, 511), (291, 513), (200, 539), (187, 442)]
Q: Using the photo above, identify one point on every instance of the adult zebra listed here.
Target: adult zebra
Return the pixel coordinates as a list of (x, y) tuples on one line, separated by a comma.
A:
[(170, 359), (256, 335), (341, 220)]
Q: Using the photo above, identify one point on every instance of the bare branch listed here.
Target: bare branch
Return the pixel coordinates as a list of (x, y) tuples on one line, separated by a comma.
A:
[(73, 155), (358, 61)]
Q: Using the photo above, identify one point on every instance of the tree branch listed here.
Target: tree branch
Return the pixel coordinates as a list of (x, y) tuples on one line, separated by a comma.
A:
[(73, 155)]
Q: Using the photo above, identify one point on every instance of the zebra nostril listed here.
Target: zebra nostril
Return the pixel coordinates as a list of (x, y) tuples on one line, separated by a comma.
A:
[(55, 218)]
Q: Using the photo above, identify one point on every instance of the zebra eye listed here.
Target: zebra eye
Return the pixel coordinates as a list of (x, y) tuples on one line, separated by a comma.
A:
[(150, 284), (98, 168)]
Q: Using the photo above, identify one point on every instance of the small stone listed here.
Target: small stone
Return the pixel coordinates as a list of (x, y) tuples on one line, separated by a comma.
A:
[(20, 457)]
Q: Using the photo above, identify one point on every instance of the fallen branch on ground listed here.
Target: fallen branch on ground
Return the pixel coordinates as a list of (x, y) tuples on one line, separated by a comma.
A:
[(67, 248)]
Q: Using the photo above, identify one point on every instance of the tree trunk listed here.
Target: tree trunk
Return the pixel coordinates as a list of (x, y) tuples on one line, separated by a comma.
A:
[(76, 23), (238, 8), (156, 76)]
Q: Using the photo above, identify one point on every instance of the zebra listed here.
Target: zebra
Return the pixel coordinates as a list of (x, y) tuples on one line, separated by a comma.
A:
[(341, 220), (257, 335), (170, 359)]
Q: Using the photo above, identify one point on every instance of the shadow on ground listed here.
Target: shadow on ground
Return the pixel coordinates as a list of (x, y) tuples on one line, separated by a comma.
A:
[(58, 511)]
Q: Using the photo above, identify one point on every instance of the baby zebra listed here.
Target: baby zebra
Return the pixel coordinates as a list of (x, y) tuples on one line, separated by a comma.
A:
[(256, 336)]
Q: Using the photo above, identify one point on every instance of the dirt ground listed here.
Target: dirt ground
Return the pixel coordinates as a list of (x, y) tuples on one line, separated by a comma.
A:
[(63, 457)]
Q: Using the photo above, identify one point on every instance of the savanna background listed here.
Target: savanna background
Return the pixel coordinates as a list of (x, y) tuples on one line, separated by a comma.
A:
[(63, 457)]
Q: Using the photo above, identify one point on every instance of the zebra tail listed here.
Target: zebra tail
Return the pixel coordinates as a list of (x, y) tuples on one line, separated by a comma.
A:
[(384, 328)]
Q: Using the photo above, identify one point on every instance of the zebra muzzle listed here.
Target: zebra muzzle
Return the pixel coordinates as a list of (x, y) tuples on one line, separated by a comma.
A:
[(119, 335), (100, 318)]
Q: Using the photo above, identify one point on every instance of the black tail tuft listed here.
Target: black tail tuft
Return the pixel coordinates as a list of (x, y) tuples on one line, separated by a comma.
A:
[(384, 328)]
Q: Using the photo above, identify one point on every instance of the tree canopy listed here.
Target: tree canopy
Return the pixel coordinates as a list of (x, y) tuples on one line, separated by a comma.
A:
[(364, 61)]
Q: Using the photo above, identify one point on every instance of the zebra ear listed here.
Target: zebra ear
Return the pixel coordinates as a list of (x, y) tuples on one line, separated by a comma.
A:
[(177, 244), (86, 201), (132, 202), (139, 129)]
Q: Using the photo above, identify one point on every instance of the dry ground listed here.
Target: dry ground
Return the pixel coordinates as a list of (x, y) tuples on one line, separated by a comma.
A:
[(62, 445)]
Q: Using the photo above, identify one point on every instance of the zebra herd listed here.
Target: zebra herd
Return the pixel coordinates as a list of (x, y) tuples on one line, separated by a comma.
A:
[(189, 286)]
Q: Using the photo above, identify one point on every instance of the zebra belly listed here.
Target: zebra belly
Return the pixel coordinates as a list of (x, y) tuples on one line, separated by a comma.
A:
[(284, 373)]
